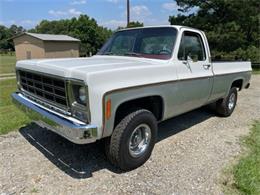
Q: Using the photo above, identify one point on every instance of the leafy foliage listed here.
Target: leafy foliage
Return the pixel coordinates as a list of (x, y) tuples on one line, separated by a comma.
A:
[(6, 34), (232, 27), (132, 24), (135, 24)]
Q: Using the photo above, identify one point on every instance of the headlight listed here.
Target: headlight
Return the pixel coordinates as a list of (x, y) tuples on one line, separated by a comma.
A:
[(79, 101), (82, 95)]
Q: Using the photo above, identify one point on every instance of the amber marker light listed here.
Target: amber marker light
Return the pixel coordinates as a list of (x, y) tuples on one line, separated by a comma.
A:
[(108, 109)]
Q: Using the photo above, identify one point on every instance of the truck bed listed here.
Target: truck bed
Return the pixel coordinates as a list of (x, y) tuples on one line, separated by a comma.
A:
[(229, 67)]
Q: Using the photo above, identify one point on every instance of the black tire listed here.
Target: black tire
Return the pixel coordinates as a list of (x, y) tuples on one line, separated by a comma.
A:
[(222, 106), (117, 147)]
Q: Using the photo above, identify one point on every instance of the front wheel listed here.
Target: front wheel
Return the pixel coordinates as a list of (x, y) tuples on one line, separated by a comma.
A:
[(133, 139), (226, 106)]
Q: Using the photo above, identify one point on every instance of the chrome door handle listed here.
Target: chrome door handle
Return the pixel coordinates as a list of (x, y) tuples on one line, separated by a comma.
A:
[(206, 66)]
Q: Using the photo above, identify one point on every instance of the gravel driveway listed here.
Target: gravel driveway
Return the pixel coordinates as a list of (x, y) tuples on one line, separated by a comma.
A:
[(191, 152)]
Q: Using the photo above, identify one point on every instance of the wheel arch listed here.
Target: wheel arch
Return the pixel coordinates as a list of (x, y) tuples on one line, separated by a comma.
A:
[(153, 103), (121, 101), (238, 83)]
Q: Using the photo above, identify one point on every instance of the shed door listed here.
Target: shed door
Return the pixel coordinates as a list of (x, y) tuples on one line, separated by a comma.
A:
[(28, 55)]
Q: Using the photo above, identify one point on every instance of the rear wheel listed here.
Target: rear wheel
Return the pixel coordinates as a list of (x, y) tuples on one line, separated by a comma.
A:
[(133, 139), (226, 106)]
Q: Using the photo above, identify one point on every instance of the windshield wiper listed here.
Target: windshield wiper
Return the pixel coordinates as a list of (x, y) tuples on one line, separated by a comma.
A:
[(133, 54)]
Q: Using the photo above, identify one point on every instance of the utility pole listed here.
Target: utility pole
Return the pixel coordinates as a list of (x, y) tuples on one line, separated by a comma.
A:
[(128, 12)]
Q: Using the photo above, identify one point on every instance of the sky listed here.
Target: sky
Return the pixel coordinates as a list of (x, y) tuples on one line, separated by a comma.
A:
[(108, 13)]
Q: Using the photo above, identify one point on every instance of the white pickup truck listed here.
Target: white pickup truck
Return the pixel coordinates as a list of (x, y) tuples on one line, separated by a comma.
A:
[(140, 77)]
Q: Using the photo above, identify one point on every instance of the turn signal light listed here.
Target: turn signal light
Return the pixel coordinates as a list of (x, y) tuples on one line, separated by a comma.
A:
[(108, 109)]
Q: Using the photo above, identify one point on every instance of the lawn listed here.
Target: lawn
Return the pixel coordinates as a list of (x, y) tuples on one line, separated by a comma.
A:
[(10, 117), (256, 71), (7, 64), (246, 173)]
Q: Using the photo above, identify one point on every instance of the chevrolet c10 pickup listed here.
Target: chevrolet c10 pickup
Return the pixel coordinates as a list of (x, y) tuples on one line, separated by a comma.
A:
[(140, 77)]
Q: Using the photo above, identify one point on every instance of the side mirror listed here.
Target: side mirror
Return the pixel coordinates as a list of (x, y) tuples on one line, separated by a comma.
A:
[(189, 59), (187, 62)]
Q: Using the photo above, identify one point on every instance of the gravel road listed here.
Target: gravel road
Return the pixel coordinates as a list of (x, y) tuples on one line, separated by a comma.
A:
[(191, 152)]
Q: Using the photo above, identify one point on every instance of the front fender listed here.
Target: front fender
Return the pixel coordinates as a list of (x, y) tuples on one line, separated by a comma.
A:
[(119, 97)]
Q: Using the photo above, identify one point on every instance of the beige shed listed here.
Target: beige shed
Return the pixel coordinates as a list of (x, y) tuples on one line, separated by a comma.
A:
[(33, 46)]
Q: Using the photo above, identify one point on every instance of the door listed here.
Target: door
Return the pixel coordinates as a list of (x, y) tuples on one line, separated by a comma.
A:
[(194, 70), (28, 55)]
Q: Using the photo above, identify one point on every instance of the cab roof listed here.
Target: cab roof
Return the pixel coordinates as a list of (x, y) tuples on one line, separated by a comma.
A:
[(178, 27)]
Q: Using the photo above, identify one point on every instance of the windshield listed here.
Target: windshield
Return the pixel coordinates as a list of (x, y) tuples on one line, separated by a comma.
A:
[(154, 43)]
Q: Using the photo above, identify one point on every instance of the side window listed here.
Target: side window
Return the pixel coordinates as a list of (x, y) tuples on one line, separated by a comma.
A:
[(192, 46)]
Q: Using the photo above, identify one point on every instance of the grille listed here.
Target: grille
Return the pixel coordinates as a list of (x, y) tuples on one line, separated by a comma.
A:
[(44, 87)]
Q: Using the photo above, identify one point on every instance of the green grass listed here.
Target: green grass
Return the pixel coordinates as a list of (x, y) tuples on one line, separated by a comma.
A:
[(34, 190), (10, 117), (7, 64), (246, 173), (256, 71)]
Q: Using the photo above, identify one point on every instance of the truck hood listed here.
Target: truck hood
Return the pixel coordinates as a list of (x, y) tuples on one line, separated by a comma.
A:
[(80, 68)]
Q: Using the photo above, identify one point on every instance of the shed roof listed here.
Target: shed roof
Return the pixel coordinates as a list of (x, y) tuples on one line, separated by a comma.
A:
[(50, 37)]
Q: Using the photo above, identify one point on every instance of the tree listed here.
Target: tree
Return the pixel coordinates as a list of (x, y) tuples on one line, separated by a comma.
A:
[(131, 25), (6, 35), (232, 27), (135, 24)]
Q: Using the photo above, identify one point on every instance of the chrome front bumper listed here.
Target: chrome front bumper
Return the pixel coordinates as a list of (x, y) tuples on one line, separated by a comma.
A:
[(68, 127)]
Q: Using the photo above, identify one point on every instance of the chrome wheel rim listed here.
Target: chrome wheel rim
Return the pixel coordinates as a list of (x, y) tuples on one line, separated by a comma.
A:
[(139, 140), (231, 101)]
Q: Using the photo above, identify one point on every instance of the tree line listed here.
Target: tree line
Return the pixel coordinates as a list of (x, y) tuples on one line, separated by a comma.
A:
[(232, 28)]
